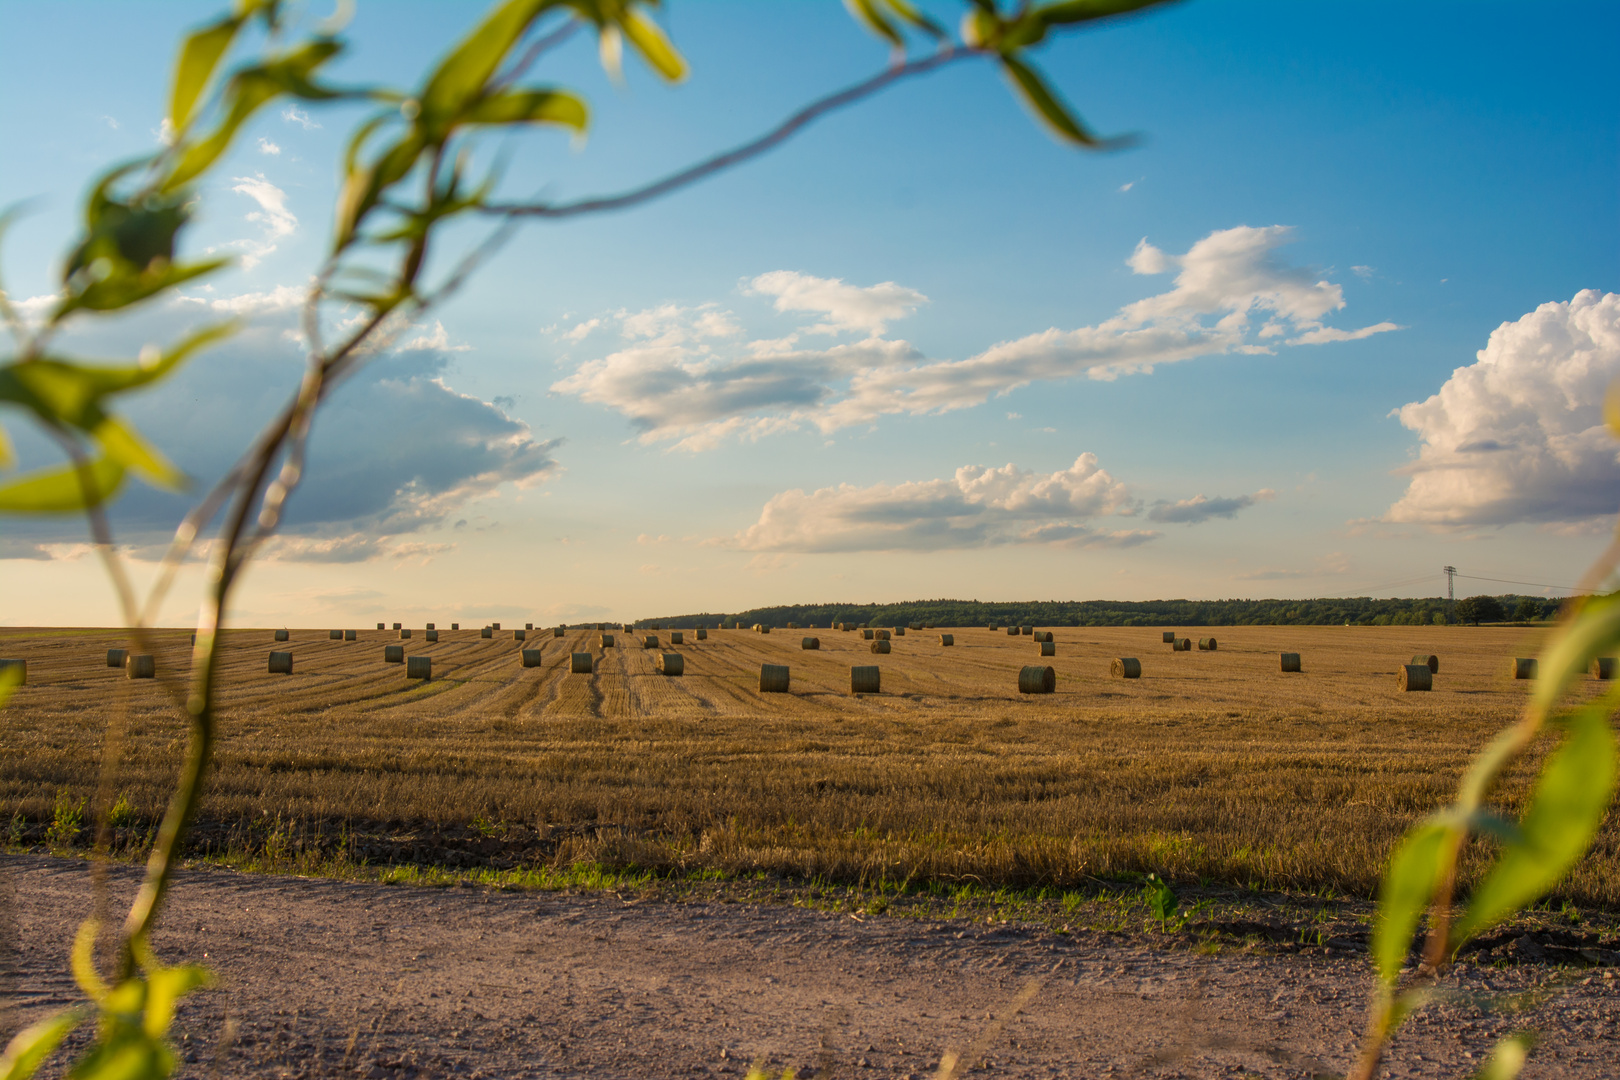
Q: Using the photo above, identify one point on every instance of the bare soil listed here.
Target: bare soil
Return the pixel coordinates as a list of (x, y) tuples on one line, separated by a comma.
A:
[(326, 978)]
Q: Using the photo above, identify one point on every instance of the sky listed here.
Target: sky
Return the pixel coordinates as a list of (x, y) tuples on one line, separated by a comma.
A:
[(1341, 315)]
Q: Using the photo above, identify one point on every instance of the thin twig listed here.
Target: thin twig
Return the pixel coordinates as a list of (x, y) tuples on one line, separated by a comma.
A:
[(777, 135)]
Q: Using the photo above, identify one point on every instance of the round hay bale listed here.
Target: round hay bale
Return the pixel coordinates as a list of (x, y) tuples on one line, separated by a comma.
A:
[(404, 635), (792, 626), (671, 663), (520, 635), (380, 626), (992, 628), (21, 668), (810, 643), (455, 626), (1183, 644), (1012, 631), (1048, 648), (1036, 679), (703, 635), (398, 626), (1414, 677), (1603, 667), (773, 678), (899, 631), (351, 635), (867, 635), (494, 626), (1428, 660), (393, 654), (487, 632), (606, 641), (764, 629), (882, 635), (1169, 637), (431, 635), (526, 626), (138, 666), (557, 631), (531, 657), (881, 646), (115, 657), (281, 663), (1290, 661), (281, 635), (1206, 644), (676, 637), (432, 626), (650, 641), (580, 664), (1027, 631), (1043, 635), (947, 639), (865, 679), (1524, 667), (419, 667), (1125, 667), (656, 626), (335, 635)]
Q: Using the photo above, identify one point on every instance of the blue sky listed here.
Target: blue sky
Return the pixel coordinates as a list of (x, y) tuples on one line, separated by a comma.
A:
[(923, 350)]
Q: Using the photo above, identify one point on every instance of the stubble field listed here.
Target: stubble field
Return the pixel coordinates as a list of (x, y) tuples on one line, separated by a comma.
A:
[(1213, 766)]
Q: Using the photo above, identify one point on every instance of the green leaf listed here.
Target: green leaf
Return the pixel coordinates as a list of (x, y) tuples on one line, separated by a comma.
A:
[(167, 986), (1047, 105), (63, 490), (649, 40), (124, 445), (917, 18), (1571, 794), (1069, 12), (36, 1042), (868, 13), (1594, 630), (7, 455), (460, 77), (1408, 885), (1507, 1057), (199, 56), (530, 107), (249, 90)]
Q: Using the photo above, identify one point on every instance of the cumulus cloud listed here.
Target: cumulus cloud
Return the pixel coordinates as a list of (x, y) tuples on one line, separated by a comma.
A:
[(294, 115), (977, 507), (396, 454), (273, 214), (846, 307), (268, 147), (679, 384), (1200, 508), (1518, 436)]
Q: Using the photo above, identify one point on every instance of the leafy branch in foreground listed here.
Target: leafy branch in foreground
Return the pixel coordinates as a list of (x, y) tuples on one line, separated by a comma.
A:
[(408, 169)]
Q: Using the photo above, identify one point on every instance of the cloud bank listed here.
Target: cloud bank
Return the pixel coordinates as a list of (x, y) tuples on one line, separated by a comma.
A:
[(680, 380), (977, 507), (1518, 436)]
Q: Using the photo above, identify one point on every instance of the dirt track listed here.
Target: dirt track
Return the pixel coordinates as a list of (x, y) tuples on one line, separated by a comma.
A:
[(328, 978)]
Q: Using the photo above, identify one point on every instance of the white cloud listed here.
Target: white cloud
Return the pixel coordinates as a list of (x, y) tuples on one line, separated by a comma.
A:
[(1325, 334), (164, 132), (294, 115), (1365, 273), (273, 214), (682, 388), (280, 298), (580, 330), (111, 122), (1127, 185), (846, 307), (977, 507), (1518, 436), (437, 341), (1201, 508), (268, 147)]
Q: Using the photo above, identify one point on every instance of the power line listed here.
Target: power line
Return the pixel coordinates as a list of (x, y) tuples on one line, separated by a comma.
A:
[(1509, 581)]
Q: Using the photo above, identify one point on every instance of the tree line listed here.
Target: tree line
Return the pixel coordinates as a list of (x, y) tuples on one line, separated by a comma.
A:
[(1336, 611)]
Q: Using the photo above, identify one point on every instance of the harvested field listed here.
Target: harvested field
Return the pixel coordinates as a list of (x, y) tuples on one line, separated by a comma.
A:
[(1212, 765)]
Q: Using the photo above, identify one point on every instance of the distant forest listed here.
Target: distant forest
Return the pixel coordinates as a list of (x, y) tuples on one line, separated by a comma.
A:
[(1360, 611)]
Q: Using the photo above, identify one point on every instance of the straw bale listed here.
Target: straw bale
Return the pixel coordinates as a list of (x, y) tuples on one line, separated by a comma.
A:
[(580, 663), (1414, 677), (281, 663), (810, 643), (773, 678), (671, 663), (1290, 661), (419, 667), (140, 666), (531, 657), (865, 679), (393, 654), (1125, 667), (1036, 679)]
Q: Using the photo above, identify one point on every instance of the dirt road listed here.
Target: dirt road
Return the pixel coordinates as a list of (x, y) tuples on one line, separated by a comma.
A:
[(327, 978)]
